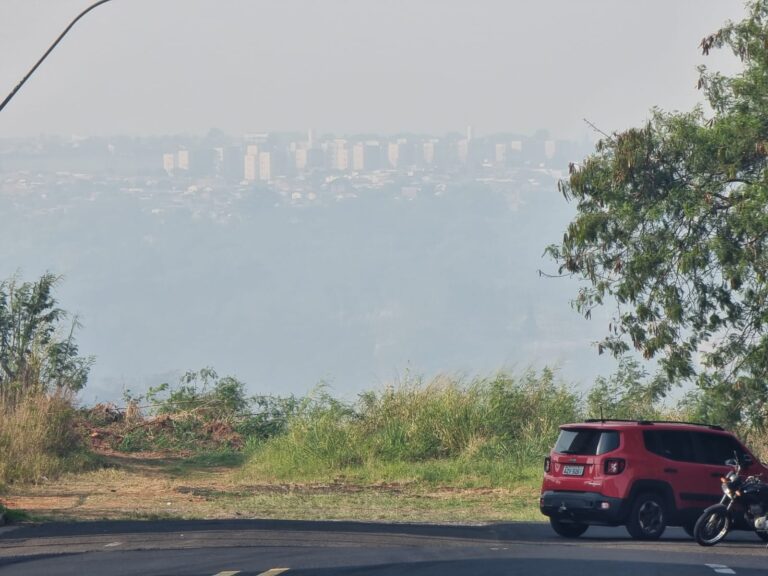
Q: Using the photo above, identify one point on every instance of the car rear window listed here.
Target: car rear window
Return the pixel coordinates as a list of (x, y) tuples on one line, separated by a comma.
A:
[(586, 441)]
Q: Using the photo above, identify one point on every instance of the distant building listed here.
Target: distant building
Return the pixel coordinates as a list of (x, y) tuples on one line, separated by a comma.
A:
[(169, 162), (501, 153), (182, 160), (315, 158), (301, 159), (462, 149), (428, 152), (338, 155), (432, 152), (251, 167), (358, 157), (232, 163), (365, 156), (400, 154), (393, 154), (266, 166)]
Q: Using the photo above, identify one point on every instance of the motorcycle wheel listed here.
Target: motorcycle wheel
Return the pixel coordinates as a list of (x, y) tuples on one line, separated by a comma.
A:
[(712, 525)]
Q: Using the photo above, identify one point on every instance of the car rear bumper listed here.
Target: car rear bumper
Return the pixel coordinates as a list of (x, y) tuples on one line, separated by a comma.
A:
[(591, 507)]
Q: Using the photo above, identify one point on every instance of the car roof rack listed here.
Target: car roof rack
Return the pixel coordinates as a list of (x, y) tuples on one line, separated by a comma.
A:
[(645, 422)]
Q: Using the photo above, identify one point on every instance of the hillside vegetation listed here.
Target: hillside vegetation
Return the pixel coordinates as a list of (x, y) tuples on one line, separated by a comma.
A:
[(409, 441), (482, 432)]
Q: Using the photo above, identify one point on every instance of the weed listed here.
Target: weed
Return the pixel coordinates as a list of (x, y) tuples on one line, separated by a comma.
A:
[(38, 439), (480, 433)]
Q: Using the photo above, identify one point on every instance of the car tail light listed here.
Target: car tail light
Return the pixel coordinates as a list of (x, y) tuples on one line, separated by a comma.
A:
[(614, 466), (547, 464)]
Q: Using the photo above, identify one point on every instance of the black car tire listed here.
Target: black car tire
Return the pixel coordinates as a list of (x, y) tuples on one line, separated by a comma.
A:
[(648, 517), (763, 536), (568, 529)]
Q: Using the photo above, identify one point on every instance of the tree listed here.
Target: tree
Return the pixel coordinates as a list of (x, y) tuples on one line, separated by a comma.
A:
[(672, 225), (625, 394), (37, 353)]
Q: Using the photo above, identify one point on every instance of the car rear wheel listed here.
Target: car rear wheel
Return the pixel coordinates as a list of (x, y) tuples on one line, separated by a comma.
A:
[(568, 529), (647, 519)]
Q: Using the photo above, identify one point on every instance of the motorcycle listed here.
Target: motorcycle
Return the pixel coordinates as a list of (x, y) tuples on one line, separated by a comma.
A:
[(744, 497)]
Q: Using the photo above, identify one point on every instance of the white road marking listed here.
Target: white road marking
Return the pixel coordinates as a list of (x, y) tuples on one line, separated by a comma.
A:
[(228, 573), (720, 568), (112, 544), (274, 572)]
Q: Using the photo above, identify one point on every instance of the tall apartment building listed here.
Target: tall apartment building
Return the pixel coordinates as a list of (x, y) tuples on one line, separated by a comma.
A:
[(251, 167), (169, 162), (393, 154), (500, 155), (366, 156), (182, 160), (462, 150), (301, 159), (266, 166), (338, 155), (400, 153)]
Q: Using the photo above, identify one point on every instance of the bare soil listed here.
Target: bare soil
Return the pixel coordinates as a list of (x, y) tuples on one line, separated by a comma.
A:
[(160, 485)]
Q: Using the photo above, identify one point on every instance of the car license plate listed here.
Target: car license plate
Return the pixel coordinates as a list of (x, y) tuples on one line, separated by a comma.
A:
[(573, 470)]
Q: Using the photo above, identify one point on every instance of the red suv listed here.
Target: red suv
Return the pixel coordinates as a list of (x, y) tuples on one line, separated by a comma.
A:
[(646, 475)]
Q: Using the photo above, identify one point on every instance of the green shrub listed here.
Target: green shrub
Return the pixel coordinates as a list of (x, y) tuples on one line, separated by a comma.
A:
[(486, 426)]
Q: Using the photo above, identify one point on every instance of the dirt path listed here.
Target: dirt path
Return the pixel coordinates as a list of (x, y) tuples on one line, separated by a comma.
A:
[(158, 486), (129, 486)]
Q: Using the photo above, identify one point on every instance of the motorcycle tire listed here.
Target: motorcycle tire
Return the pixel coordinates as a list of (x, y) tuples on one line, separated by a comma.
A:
[(712, 526)]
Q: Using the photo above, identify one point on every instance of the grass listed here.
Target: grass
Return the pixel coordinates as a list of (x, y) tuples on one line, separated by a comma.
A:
[(447, 450), (150, 488), (223, 458), (38, 439), (487, 433), (440, 451)]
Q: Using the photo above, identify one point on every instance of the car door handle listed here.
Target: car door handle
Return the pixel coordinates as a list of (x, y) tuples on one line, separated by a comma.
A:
[(670, 470)]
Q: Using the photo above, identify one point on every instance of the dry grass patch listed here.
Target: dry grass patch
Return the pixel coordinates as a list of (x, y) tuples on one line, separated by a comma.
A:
[(38, 439), (153, 486)]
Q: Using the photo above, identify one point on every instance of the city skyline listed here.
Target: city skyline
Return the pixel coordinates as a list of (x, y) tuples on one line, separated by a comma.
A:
[(266, 156)]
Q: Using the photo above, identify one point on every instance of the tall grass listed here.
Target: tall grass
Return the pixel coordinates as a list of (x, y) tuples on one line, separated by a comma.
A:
[(38, 439), (476, 432)]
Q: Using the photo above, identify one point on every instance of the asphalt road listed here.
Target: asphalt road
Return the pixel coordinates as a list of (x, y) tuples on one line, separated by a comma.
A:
[(270, 548)]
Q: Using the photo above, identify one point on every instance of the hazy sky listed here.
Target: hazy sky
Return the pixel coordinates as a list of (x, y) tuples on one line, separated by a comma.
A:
[(171, 66)]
